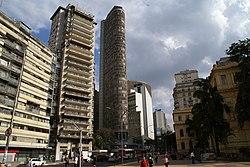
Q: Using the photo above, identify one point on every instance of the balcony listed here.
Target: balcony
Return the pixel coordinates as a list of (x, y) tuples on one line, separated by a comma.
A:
[(81, 40), (77, 88), (76, 102), (80, 59), (77, 94), (14, 45), (78, 114), (77, 65), (78, 83), (85, 33), (80, 71), (12, 56), (80, 52), (78, 109), (7, 102), (82, 23)]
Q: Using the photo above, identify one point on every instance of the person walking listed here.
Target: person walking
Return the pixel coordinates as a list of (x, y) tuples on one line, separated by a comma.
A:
[(156, 158), (76, 161), (150, 162), (166, 161), (66, 161), (144, 162), (192, 156)]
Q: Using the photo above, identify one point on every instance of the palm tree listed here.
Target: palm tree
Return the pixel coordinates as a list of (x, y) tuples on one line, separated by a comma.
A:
[(240, 52), (208, 117)]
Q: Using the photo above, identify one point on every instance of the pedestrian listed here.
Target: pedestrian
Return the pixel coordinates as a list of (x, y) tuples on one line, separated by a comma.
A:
[(150, 162), (76, 161), (192, 156), (138, 159), (66, 161), (144, 162), (166, 161), (156, 158), (28, 162)]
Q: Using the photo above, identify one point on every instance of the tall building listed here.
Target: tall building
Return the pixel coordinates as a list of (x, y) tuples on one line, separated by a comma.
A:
[(140, 121), (222, 76), (72, 39), (113, 108), (26, 89), (160, 122), (183, 103)]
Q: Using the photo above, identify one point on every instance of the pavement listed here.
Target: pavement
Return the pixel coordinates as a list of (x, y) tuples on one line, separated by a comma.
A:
[(187, 163), (173, 163)]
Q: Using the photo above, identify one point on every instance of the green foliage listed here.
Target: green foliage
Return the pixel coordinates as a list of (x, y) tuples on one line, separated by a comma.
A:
[(208, 116), (104, 139), (240, 52)]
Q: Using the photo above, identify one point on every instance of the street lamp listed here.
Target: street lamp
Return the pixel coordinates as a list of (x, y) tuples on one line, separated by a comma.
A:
[(80, 154), (122, 135)]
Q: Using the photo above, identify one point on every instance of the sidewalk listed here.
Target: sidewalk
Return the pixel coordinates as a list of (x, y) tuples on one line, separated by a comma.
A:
[(203, 164)]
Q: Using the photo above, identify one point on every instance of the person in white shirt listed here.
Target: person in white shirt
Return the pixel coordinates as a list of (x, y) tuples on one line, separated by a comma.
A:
[(192, 157)]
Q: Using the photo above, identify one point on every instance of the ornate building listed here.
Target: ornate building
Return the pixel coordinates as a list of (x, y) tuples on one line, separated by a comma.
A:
[(222, 75)]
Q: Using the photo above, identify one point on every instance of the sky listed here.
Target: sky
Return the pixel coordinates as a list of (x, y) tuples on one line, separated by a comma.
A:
[(163, 37)]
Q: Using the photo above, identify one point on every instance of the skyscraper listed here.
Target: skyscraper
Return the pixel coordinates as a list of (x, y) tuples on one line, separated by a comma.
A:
[(113, 78), (26, 88), (72, 39), (160, 122)]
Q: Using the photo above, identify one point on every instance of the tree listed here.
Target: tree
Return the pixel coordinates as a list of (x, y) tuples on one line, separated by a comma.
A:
[(240, 52), (208, 117), (104, 139)]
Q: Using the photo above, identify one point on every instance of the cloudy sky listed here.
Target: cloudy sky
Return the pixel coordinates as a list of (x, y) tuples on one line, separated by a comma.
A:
[(163, 37)]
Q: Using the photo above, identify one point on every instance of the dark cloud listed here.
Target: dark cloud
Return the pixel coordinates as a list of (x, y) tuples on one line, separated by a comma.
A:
[(163, 37)]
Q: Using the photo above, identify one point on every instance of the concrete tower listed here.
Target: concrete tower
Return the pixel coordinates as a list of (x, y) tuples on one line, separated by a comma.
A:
[(113, 78), (72, 39)]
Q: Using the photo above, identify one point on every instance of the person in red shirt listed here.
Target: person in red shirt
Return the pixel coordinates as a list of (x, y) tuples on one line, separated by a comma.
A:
[(144, 162)]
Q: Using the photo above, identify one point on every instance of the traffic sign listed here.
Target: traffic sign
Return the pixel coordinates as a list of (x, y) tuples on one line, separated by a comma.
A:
[(8, 131)]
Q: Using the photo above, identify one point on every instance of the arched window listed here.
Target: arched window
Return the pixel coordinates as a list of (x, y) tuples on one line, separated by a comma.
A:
[(181, 133), (183, 146)]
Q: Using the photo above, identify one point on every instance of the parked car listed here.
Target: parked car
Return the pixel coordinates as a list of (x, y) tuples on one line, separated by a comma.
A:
[(113, 159), (37, 162)]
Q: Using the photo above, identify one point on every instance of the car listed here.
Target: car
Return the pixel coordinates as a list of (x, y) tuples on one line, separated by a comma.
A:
[(113, 159), (37, 162)]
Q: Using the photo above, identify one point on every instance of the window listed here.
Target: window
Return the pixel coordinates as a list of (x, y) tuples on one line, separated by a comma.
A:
[(179, 118), (181, 133), (183, 146), (223, 79)]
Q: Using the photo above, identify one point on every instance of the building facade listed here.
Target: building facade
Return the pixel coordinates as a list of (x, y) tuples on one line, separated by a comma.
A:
[(26, 90), (72, 39), (113, 106), (160, 122), (222, 76), (140, 122), (183, 103)]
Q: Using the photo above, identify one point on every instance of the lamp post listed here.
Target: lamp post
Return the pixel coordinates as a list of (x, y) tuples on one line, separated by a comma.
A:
[(80, 154), (122, 135)]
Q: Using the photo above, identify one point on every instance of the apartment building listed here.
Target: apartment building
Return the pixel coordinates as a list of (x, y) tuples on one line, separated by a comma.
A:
[(183, 103), (113, 105), (26, 89), (72, 39), (222, 76)]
